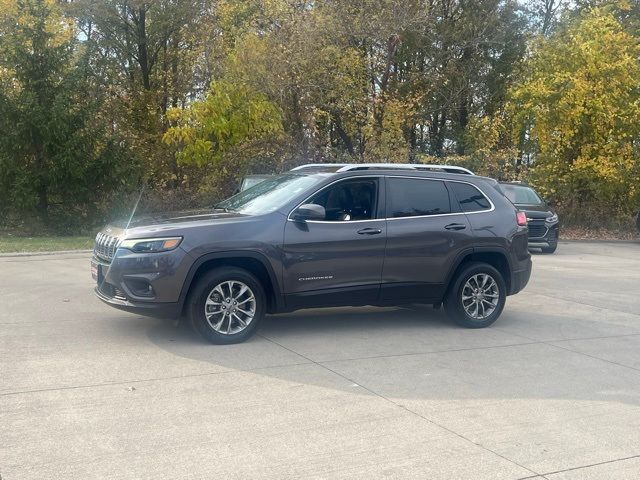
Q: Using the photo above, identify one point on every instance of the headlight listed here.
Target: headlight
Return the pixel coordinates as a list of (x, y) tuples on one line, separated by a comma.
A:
[(151, 245), (552, 219)]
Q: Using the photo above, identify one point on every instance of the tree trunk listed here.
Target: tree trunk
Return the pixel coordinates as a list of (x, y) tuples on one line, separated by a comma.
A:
[(436, 134), (175, 43), (344, 137), (42, 188), (463, 121), (43, 202), (143, 48), (165, 79), (393, 42)]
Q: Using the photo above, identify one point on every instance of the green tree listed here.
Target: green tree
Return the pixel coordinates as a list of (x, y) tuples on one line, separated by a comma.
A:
[(377, 79), (150, 56), (229, 115), (53, 151), (578, 106)]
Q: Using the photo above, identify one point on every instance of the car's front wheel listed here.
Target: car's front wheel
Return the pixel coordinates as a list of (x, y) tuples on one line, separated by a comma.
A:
[(477, 296), (226, 305), (553, 245)]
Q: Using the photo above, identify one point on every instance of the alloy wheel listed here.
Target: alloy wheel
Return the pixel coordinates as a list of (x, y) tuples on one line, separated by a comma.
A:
[(480, 296), (230, 307)]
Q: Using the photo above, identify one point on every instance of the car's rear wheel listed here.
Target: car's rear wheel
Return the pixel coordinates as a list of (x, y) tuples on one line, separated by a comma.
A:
[(227, 305), (477, 296)]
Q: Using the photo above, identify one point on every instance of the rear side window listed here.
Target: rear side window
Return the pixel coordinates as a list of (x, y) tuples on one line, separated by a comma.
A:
[(469, 197), (411, 197)]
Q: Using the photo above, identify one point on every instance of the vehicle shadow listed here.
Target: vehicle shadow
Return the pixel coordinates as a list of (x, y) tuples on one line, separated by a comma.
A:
[(313, 335), (412, 352), (362, 321)]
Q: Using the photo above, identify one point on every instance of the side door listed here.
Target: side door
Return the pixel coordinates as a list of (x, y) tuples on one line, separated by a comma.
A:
[(338, 260), (426, 232)]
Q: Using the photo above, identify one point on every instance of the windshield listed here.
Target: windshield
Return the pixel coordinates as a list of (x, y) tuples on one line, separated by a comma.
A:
[(268, 195), (251, 181), (521, 195)]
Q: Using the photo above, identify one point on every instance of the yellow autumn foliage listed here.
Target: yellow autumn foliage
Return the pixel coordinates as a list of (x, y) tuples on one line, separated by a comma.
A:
[(579, 106)]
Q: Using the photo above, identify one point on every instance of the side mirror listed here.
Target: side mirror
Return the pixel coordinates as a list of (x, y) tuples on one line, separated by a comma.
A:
[(309, 211)]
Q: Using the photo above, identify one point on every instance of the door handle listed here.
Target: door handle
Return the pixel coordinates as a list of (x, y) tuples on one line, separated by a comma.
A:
[(455, 226), (369, 231)]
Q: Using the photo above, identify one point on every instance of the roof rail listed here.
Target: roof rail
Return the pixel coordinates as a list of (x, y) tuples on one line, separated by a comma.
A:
[(308, 166), (346, 167)]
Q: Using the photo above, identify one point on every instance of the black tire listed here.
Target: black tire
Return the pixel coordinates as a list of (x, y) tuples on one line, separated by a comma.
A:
[(553, 245), (205, 286), (453, 300)]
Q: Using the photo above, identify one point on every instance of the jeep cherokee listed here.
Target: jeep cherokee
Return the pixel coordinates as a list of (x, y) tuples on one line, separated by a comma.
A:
[(318, 236)]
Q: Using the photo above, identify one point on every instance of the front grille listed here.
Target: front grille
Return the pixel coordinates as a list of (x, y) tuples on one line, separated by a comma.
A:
[(105, 246), (118, 294), (537, 228)]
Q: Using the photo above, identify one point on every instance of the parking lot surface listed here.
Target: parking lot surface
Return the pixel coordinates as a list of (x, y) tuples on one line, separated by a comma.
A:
[(552, 390)]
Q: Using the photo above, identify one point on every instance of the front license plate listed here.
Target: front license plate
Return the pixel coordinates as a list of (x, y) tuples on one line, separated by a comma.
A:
[(95, 271)]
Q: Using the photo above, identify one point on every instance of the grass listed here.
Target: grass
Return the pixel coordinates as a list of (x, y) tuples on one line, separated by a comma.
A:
[(17, 244)]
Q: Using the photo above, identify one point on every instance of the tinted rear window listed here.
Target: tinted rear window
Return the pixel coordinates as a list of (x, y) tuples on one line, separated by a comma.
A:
[(411, 197), (470, 198)]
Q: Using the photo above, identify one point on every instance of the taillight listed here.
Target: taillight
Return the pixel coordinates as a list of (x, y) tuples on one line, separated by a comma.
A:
[(521, 218)]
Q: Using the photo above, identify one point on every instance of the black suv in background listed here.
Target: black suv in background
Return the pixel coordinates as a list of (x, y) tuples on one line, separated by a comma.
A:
[(318, 236), (544, 228)]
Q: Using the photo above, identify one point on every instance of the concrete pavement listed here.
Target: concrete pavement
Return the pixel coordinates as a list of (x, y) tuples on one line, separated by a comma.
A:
[(552, 390)]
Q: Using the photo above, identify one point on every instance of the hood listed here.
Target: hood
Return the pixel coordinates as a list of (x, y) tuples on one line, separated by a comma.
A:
[(535, 211), (173, 218), (167, 223)]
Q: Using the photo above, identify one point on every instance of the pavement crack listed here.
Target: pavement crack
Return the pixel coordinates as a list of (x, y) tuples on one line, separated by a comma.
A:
[(405, 408), (599, 307), (577, 352), (431, 352), (637, 370), (154, 379), (583, 467)]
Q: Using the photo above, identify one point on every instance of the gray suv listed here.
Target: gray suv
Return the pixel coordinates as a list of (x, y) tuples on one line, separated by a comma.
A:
[(319, 236)]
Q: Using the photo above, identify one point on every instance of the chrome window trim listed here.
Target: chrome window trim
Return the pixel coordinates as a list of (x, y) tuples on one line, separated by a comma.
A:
[(493, 207), (289, 219), (342, 222), (349, 222)]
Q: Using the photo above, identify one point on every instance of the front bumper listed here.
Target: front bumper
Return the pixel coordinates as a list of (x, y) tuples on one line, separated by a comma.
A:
[(146, 284), (148, 309), (546, 236)]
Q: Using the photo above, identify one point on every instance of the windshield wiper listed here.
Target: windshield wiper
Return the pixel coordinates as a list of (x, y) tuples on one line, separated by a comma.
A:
[(224, 209)]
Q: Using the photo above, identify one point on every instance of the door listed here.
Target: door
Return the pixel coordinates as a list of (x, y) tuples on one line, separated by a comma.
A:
[(338, 260), (425, 235)]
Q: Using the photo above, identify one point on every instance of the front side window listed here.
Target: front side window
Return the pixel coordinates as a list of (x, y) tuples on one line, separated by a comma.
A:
[(469, 197), (411, 197), (348, 200)]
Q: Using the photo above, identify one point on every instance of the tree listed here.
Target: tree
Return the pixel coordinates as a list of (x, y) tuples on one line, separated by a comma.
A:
[(578, 104), (377, 79), (150, 56), (228, 116), (545, 14), (53, 151)]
